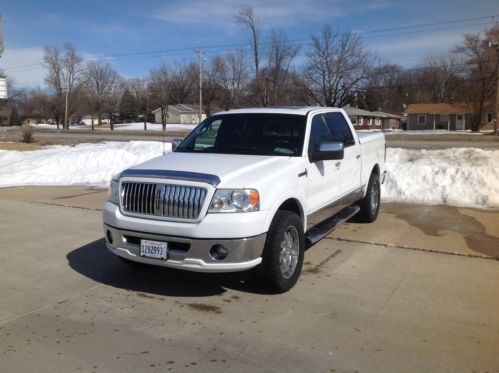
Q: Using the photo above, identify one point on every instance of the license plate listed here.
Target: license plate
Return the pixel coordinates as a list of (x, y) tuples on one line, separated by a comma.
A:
[(153, 249)]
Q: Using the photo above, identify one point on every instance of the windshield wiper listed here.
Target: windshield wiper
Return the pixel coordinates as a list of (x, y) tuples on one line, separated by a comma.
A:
[(248, 151)]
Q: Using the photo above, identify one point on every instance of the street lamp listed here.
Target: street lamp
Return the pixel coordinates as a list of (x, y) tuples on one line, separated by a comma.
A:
[(495, 44)]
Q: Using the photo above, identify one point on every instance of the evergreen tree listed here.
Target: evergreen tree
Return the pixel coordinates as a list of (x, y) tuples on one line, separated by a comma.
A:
[(128, 107), (15, 119)]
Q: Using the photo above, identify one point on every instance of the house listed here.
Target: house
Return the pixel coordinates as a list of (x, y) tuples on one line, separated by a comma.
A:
[(87, 119), (371, 120), (441, 116), (390, 121), (180, 114)]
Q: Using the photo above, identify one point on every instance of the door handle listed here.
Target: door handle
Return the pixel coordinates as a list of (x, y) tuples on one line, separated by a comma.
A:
[(358, 156), (337, 164)]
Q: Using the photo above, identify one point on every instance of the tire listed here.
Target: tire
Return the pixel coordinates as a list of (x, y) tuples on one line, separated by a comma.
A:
[(369, 205), (282, 257)]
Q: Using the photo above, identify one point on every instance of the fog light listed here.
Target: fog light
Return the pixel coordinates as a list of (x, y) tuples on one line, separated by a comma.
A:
[(109, 237), (218, 252)]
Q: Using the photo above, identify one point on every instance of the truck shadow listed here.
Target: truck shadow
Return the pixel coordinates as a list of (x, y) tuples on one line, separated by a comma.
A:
[(94, 261)]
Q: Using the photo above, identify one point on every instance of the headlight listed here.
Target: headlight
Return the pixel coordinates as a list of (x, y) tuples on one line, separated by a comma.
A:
[(114, 192), (235, 200)]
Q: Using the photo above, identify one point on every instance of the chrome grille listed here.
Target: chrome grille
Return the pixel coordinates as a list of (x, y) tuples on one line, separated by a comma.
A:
[(163, 200)]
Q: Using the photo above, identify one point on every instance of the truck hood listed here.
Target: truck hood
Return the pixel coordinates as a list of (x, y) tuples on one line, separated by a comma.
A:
[(234, 171)]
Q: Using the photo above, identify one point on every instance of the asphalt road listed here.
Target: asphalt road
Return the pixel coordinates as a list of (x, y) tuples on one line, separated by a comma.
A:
[(409, 141), (67, 305)]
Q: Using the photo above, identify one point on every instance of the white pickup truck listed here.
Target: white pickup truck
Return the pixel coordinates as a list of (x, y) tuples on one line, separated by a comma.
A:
[(247, 188)]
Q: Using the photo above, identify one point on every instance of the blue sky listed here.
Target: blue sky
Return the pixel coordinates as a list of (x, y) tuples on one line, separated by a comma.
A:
[(150, 30)]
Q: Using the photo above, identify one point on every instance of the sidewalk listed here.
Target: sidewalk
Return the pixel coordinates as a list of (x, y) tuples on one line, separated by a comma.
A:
[(460, 231)]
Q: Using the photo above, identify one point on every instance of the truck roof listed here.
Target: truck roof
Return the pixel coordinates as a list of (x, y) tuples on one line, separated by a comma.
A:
[(296, 110)]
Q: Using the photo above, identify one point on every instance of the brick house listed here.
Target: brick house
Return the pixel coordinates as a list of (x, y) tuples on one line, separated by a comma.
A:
[(371, 120)]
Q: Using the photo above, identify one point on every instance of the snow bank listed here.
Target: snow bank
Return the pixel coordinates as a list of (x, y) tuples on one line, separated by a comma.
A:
[(84, 164), (466, 177), (457, 177)]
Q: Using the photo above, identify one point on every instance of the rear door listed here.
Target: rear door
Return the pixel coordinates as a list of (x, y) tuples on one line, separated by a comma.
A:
[(350, 165)]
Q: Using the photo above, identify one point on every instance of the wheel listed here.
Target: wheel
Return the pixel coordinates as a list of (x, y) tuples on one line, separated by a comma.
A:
[(369, 205), (283, 253)]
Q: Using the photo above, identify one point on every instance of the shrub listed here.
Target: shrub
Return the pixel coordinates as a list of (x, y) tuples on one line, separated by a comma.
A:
[(27, 136)]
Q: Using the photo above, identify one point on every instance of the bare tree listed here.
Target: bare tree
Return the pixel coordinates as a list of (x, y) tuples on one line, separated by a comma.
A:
[(113, 100), (480, 72), (183, 82), (233, 74), (337, 67), (246, 18), (100, 82), (139, 89), (385, 89), (440, 77), (64, 76), (280, 54), (211, 83), (160, 87)]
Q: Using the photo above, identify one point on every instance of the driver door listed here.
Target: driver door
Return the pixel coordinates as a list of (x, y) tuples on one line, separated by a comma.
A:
[(323, 176)]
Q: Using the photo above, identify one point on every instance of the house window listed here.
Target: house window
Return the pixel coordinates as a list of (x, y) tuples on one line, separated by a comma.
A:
[(377, 121), (353, 120), (489, 117), (370, 122), (422, 119)]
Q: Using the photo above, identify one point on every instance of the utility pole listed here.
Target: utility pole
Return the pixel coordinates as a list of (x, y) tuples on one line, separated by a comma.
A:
[(495, 44), (201, 54)]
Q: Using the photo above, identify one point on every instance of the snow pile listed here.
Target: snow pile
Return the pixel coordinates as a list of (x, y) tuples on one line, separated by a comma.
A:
[(84, 164), (466, 177), (457, 177)]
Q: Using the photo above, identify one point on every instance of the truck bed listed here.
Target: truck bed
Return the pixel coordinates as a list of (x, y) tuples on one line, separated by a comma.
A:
[(368, 136)]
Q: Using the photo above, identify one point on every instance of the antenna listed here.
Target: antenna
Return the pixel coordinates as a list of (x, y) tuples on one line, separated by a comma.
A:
[(163, 130), (1, 35)]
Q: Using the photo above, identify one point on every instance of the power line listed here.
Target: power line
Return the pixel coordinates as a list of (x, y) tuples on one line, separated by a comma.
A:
[(228, 47)]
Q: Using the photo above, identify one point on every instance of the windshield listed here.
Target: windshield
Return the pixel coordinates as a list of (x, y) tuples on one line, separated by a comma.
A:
[(254, 134)]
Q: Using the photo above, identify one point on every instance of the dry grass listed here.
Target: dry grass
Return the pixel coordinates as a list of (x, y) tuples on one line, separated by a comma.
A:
[(20, 146)]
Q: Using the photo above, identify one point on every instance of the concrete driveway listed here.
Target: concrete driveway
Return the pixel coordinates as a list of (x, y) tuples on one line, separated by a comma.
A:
[(402, 294)]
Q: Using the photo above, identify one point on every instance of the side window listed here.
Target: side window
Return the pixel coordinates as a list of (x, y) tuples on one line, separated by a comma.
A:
[(319, 132), (207, 137), (340, 129)]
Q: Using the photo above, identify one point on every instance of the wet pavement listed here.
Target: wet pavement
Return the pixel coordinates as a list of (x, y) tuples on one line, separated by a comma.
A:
[(411, 292)]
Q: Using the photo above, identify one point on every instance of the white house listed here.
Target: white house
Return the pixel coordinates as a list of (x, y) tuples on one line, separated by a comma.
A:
[(180, 114)]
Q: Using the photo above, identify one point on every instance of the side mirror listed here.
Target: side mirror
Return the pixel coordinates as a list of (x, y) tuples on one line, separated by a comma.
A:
[(328, 150), (175, 143)]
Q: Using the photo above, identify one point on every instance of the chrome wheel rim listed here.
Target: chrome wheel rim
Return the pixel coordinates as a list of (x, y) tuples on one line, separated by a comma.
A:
[(374, 198), (290, 251)]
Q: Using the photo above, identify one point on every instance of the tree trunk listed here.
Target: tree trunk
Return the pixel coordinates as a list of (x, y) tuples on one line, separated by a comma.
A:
[(145, 115)]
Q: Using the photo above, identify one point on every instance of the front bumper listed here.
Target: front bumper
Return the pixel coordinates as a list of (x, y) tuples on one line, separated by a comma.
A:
[(191, 254)]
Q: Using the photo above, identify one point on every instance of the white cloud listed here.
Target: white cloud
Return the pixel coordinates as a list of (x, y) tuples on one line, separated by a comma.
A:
[(23, 65), (444, 42), (273, 13)]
